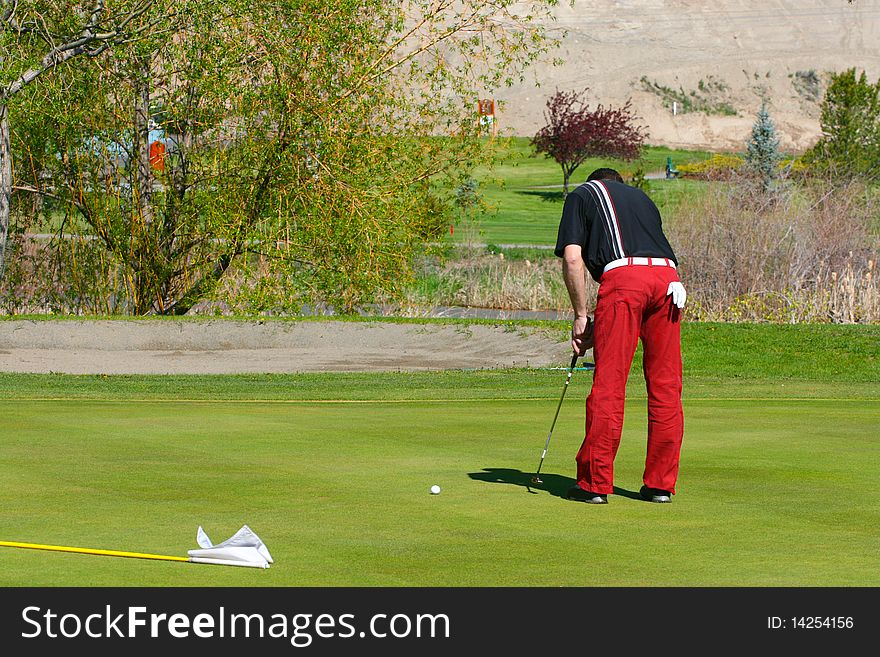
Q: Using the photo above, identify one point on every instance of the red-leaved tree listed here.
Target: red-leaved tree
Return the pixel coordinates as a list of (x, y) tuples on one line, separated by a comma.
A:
[(574, 132)]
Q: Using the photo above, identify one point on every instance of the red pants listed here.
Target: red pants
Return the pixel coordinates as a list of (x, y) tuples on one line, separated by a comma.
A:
[(632, 304)]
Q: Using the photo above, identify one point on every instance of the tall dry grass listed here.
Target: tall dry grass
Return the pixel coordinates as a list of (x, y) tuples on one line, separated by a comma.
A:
[(800, 254), (71, 276), (476, 278)]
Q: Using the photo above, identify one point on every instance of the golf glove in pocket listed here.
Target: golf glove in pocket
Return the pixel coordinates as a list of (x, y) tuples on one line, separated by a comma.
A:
[(679, 296)]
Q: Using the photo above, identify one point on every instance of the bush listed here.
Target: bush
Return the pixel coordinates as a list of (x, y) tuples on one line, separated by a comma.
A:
[(721, 166), (808, 255)]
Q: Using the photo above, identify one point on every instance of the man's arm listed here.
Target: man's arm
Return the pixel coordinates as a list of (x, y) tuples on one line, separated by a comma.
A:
[(574, 275)]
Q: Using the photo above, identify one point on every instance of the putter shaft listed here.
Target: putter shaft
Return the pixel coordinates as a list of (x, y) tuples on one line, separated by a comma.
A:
[(536, 479)]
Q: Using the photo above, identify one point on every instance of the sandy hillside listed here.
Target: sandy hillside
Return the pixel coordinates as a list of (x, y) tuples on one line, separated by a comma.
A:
[(723, 53)]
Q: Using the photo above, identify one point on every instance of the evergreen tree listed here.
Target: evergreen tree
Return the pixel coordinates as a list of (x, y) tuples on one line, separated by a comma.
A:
[(850, 142), (763, 153)]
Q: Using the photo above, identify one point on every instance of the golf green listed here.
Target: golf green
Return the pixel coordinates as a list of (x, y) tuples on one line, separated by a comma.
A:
[(776, 484)]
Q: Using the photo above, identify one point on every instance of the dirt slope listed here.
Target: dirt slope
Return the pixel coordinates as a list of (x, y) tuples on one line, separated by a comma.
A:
[(722, 53)]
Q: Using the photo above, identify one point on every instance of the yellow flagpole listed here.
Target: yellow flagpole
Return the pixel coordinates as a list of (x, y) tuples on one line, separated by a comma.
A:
[(78, 550)]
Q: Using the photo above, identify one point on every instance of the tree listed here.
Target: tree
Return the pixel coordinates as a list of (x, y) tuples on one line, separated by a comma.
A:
[(307, 160), (152, 223), (850, 120), (40, 36), (763, 156), (574, 133)]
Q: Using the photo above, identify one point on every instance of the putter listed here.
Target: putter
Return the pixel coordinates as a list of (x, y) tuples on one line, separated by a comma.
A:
[(537, 478)]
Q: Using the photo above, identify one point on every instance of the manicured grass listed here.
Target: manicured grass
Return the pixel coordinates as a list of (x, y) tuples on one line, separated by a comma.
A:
[(339, 492), (524, 192), (519, 166), (776, 486)]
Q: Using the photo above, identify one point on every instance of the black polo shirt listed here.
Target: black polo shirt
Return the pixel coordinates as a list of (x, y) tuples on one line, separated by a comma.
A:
[(610, 221)]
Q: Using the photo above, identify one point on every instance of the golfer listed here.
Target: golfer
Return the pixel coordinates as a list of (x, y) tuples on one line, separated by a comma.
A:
[(614, 232)]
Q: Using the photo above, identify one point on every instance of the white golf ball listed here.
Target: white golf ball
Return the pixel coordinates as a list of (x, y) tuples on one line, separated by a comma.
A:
[(435, 489)]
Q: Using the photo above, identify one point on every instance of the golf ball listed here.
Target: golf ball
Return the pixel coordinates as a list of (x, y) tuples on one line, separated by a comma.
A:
[(435, 489)]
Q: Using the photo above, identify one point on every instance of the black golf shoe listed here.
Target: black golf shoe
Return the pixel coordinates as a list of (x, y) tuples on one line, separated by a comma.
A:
[(578, 494), (655, 495)]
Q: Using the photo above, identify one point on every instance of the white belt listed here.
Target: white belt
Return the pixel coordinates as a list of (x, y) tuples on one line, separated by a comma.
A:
[(654, 262)]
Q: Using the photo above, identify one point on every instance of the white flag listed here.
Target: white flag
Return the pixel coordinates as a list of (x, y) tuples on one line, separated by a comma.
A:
[(244, 548)]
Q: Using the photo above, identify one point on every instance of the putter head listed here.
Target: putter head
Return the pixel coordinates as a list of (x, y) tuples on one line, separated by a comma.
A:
[(537, 480)]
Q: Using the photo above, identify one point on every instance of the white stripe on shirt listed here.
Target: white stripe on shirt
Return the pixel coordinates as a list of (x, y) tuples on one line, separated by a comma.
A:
[(606, 206)]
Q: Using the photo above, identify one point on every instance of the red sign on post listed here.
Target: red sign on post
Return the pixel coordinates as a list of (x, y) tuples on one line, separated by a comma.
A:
[(157, 155), (486, 108)]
